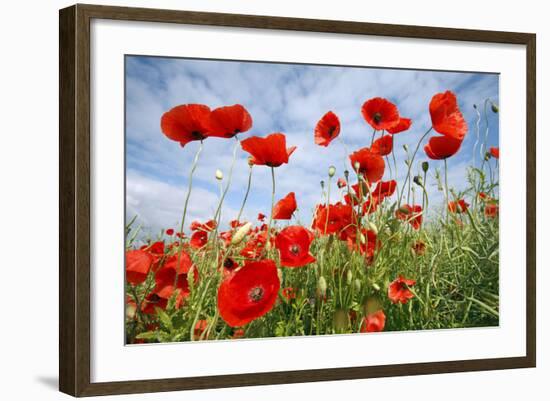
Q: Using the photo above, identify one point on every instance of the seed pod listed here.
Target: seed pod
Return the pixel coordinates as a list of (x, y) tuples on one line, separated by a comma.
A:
[(322, 286), (425, 166), (356, 166), (331, 171), (219, 175), (241, 233)]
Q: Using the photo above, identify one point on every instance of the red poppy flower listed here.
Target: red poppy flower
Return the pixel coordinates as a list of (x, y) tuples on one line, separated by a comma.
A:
[(370, 205), (371, 165), (374, 322), (186, 123), (327, 129), (293, 243), (483, 196), (341, 183), (170, 232), (495, 152), (384, 189), (269, 151), (249, 293), (285, 208), (383, 146), (367, 243), (153, 301), (239, 333), (442, 147), (166, 276), (446, 116), (229, 266), (403, 125), (459, 206), (491, 210), (411, 214), (228, 121), (200, 327), (208, 226), (288, 293), (334, 219), (198, 239), (255, 246), (380, 113), (138, 264), (419, 248), (235, 224), (398, 291), (261, 216)]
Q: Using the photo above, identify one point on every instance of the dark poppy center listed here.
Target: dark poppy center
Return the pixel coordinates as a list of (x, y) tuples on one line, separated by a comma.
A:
[(197, 135), (377, 117), (228, 263), (331, 131), (154, 298), (295, 249), (256, 294)]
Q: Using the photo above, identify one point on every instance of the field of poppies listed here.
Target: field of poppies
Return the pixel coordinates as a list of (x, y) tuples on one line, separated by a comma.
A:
[(377, 256)]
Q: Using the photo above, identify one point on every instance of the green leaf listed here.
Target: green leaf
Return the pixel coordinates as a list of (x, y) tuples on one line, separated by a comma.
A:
[(148, 335), (164, 319)]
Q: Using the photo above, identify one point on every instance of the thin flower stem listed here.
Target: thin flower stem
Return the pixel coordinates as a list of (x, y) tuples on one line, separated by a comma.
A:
[(272, 206), (446, 192), (182, 225), (246, 194), (372, 138), (328, 202), (411, 163)]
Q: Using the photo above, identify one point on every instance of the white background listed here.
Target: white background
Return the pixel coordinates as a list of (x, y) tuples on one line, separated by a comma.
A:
[(28, 220), (112, 362)]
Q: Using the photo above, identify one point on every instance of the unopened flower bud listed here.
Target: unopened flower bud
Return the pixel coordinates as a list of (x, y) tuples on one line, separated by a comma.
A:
[(418, 180), (331, 171), (341, 320), (219, 175), (406, 147), (373, 227), (494, 107), (357, 284), (349, 277), (241, 233), (322, 184), (346, 174), (376, 287), (425, 166), (322, 286), (487, 156), (475, 106)]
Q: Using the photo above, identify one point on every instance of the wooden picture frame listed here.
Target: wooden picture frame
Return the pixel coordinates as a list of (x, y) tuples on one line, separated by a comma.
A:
[(75, 208)]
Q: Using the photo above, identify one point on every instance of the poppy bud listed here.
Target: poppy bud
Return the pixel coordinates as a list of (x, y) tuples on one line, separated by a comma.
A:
[(131, 310), (349, 277), (418, 180), (406, 147), (494, 107), (373, 227), (346, 174), (357, 284), (241, 233), (250, 161), (322, 286), (475, 106), (425, 166), (408, 162), (331, 171), (341, 320), (487, 156), (322, 184), (219, 175), (376, 286)]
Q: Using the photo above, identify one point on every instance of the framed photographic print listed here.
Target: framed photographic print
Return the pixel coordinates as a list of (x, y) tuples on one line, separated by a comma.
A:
[(324, 199)]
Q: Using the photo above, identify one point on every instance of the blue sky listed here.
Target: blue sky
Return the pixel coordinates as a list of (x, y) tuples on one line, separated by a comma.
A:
[(286, 98)]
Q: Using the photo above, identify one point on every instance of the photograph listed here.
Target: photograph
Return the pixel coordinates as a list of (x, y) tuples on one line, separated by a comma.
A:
[(268, 199)]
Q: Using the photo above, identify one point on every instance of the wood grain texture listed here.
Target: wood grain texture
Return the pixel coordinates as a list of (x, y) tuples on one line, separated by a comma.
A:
[(74, 198)]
